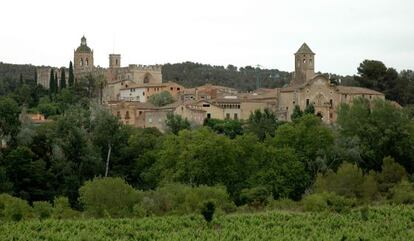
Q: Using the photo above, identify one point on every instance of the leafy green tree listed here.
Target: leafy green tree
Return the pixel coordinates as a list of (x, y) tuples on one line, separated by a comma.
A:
[(109, 196), (230, 128), (310, 139), (62, 79), (297, 113), (262, 124), (382, 130), (310, 109), (176, 123), (282, 173), (161, 99), (391, 174), (71, 79), (9, 117)]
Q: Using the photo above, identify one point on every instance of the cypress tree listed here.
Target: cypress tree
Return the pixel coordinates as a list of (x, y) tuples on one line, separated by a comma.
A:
[(62, 79), (21, 79), (51, 83), (35, 76), (56, 83), (71, 79)]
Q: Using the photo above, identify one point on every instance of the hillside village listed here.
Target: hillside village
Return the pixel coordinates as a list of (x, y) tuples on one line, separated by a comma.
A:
[(128, 89)]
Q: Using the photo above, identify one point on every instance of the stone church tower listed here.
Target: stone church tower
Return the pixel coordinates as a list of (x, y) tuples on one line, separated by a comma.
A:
[(114, 61), (83, 59), (304, 65)]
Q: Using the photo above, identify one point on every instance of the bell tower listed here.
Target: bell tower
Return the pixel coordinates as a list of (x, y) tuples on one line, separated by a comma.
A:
[(83, 59), (114, 61), (304, 65)]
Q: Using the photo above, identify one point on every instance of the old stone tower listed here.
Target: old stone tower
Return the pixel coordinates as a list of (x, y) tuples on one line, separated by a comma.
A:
[(114, 61), (304, 65), (83, 59)]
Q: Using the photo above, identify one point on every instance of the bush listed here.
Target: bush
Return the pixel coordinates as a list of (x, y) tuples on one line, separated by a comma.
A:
[(62, 210), (256, 197), (402, 193), (208, 210), (13, 208), (327, 201), (283, 204), (108, 196), (314, 203), (392, 173), (42, 209)]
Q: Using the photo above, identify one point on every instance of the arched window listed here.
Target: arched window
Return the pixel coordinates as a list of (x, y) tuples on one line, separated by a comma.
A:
[(81, 62), (304, 61), (116, 61), (87, 62)]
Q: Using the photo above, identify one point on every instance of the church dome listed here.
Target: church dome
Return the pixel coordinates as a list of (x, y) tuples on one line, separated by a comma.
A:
[(83, 48)]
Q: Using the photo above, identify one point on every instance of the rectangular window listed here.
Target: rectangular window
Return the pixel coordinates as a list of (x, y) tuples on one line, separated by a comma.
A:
[(331, 102), (206, 105), (228, 116), (307, 102), (235, 116)]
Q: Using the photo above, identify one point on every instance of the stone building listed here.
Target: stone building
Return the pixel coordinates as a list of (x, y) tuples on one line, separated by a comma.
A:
[(83, 60)]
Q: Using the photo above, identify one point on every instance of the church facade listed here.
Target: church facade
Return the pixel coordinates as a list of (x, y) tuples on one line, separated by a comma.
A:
[(308, 88)]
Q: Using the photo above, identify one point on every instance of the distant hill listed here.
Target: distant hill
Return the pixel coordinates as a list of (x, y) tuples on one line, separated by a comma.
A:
[(191, 74), (13, 71)]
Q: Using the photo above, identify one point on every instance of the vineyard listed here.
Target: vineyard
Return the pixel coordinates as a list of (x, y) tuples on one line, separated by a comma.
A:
[(379, 223)]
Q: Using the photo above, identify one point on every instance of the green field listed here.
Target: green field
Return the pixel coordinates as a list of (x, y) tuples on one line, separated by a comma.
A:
[(383, 223)]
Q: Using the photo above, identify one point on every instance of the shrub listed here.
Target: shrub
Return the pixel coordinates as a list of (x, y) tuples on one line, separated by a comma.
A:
[(314, 203), (392, 173), (256, 197), (62, 210), (42, 209), (13, 208), (283, 204), (402, 193), (208, 210), (108, 196), (327, 201)]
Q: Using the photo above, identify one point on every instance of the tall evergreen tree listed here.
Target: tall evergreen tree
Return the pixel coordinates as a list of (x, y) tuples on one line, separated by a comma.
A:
[(21, 79), (71, 79), (62, 79), (56, 83), (35, 76), (51, 83)]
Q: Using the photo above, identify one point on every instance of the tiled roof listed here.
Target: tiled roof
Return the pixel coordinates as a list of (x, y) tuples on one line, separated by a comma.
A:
[(356, 90)]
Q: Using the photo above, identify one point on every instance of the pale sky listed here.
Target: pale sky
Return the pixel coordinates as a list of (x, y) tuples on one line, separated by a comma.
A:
[(218, 32)]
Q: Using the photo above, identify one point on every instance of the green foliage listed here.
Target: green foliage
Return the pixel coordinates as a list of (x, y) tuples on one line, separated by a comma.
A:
[(62, 209), (208, 211), (309, 110), (13, 209), (262, 124), (9, 117), (195, 74), (389, 126), (348, 181), (161, 99), (327, 202), (308, 137), (230, 128), (42, 209), (402, 193), (391, 174), (176, 123), (256, 197), (108, 196), (62, 79), (297, 113), (71, 80)]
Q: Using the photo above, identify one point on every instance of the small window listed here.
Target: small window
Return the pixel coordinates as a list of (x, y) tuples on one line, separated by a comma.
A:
[(143, 93), (87, 62), (310, 61), (127, 115), (228, 116), (178, 88), (330, 115), (81, 62), (206, 105), (118, 114), (304, 61), (171, 88), (150, 120), (331, 102), (307, 102), (116, 61), (208, 115), (235, 116), (140, 112)]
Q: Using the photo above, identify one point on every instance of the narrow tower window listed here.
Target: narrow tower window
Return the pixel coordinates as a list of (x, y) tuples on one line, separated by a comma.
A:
[(81, 62)]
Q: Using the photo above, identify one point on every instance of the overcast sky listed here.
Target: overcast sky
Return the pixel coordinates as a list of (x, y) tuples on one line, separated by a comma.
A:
[(218, 32)]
